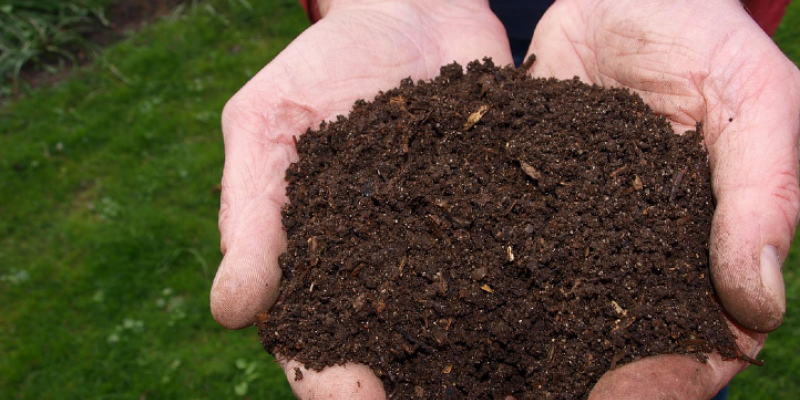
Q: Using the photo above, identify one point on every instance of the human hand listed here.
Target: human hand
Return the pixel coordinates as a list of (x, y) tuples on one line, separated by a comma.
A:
[(357, 49), (700, 61)]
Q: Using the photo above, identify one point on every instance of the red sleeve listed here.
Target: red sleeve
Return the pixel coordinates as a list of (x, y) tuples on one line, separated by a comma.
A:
[(312, 11), (767, 13)]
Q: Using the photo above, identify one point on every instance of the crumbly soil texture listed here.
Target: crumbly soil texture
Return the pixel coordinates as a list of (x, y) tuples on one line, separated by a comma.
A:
[(488, 234)]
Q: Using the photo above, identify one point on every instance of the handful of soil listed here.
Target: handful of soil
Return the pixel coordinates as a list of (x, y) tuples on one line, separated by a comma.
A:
[(490, 234)]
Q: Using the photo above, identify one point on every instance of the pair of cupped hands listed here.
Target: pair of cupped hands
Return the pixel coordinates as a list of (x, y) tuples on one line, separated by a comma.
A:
[(691, 61)]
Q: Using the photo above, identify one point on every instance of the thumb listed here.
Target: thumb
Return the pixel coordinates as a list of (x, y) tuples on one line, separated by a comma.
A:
[(753, 151), (257, 153)]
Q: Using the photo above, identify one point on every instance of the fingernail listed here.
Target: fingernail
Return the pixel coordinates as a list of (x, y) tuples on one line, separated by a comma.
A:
[(772, 276)]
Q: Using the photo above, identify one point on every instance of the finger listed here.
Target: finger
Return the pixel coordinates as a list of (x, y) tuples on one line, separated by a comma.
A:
[(674, 376), (341, 382), (253, 194), (753, 152)]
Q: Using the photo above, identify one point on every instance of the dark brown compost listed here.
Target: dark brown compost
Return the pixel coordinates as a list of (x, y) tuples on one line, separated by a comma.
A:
[(487, 234)]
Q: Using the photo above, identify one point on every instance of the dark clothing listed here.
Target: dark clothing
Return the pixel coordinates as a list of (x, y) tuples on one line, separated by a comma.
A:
[(519, 18)]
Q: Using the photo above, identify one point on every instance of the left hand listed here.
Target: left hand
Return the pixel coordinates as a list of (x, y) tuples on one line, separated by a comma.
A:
[(702, 61), (357, 49)]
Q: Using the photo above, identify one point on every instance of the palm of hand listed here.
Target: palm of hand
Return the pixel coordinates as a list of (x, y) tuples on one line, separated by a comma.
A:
[(729, 75)]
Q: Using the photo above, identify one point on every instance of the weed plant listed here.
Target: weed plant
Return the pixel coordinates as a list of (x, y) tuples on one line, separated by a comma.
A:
[(44, 33)]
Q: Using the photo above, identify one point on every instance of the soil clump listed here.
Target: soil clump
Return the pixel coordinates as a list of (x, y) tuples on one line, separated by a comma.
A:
[(488, 234)]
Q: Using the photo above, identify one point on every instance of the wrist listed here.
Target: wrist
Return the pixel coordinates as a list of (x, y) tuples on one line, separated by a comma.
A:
[(320, 8)]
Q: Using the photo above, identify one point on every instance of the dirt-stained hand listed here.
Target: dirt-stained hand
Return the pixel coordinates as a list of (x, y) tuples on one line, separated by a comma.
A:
[(700, 61), (357, 49)]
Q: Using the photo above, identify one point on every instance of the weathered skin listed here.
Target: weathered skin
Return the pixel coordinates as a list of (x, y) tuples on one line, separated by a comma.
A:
[(691, 61)]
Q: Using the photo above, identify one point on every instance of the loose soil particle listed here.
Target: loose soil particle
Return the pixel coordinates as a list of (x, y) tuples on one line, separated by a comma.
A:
[(487, 234)]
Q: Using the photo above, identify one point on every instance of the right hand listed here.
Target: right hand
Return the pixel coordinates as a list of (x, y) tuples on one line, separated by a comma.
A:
[(359, 48)]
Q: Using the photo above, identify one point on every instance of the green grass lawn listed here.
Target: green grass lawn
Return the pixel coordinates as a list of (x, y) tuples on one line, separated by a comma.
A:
[(108, 240), (108, 236)]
